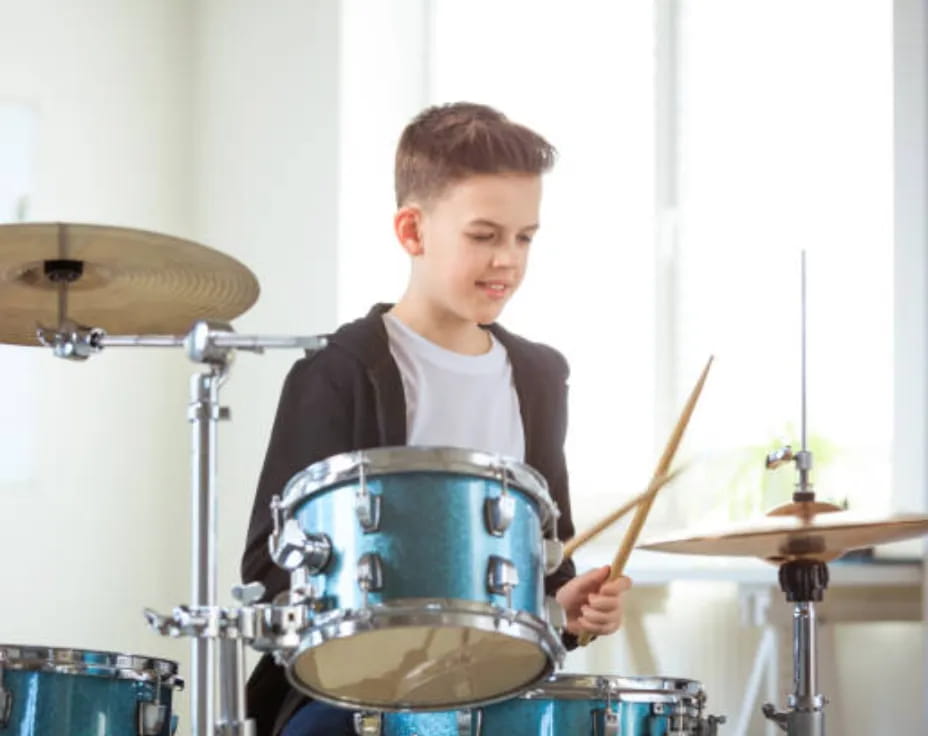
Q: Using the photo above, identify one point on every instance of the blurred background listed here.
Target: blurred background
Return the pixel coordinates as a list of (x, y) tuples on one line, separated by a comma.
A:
[(703, 146)]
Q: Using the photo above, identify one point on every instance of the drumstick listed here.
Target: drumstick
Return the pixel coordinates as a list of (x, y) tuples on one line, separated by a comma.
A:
[(641, 514), (578, 541)]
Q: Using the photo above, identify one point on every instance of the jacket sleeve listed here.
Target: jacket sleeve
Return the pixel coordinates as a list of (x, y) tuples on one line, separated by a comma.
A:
[(558, 481), (313, 422)]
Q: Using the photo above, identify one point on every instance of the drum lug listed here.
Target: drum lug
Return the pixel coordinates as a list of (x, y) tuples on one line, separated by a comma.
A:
[(610, 721), (368, 724), (554, 554), (554, 613), (291, 548), (151, 718), (498, 512), (502, 577), (370, 574), (367, 508), (6, 698), (468, 718), (366, 504)]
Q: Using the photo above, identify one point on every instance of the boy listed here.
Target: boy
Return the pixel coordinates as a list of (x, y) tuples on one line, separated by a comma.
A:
[(435, 369)]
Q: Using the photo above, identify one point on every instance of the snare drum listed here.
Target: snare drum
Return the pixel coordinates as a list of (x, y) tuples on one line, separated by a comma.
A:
[(579, 705), (46, 691), (424, 568)]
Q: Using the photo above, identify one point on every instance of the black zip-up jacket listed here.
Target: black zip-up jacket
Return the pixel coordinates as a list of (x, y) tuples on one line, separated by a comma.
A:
[(349, 396)]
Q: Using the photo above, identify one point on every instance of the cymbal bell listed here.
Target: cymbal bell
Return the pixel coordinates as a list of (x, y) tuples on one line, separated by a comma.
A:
[(122, 280), (800, 535)]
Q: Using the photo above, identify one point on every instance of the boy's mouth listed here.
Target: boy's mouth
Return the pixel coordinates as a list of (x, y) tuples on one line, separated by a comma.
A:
[(494, 288)]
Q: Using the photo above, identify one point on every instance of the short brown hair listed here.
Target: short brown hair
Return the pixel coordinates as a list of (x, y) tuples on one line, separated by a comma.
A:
[(446, 143)]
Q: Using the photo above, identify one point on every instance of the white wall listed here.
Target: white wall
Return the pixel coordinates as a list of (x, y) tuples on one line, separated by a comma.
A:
[(96, 528), (266, 121), (911, 306)]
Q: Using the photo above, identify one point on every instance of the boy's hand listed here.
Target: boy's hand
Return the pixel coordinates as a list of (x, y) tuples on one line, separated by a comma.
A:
[(591, 604)]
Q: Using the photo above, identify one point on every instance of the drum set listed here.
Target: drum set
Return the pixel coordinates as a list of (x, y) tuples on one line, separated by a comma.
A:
[(466, 645)]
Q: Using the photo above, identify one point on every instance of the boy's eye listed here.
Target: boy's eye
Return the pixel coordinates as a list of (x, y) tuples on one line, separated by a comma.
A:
[(480, 237), (525, 239)]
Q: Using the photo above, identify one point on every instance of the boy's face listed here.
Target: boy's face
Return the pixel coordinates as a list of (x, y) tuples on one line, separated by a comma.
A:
[(474, 244)]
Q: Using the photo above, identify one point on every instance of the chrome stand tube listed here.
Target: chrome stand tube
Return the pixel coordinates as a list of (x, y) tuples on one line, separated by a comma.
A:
[(804, 656), (232, 720), (804, 582), (211, 344), (204, 414)]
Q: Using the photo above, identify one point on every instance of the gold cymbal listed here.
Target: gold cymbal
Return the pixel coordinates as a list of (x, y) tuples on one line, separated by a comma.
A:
[(780, 538), (122, 280)]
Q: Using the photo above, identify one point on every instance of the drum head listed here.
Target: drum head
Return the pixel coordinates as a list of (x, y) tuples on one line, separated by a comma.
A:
[(419, 667)]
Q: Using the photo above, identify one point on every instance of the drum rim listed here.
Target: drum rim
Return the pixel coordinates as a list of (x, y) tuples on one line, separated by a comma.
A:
[(72, 661), (423, 611), (380, 461), (571, 686)]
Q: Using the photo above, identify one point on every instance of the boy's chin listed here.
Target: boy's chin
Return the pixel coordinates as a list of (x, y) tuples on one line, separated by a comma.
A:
[(487, 315)]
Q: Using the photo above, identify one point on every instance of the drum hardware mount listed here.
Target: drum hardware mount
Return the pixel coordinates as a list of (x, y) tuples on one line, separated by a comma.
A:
[(554, 554), (366, 504), (470, 720), (370, 575), (291, 548), (804, 582), (502, 577), (499, 511), (212, 344), (151, 717)]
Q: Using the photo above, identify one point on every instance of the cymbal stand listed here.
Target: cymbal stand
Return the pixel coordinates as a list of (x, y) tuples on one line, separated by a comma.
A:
[(210, 344), (804, 581)]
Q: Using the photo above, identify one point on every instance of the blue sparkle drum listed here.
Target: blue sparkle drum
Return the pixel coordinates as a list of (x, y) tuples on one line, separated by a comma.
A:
[(46, 691), (424, 569), (579, 705)]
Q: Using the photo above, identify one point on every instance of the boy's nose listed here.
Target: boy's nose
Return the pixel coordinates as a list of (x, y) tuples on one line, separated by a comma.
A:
[(507, 255)]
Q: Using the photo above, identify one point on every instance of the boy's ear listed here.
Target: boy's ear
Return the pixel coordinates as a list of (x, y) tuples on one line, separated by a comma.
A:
[(407, 225)]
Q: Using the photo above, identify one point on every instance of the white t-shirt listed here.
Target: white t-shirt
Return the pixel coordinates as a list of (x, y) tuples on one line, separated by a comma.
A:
[(457, 400)]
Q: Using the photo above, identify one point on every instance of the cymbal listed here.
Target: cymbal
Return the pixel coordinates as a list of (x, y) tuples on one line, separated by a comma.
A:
[(122, 280), (781, 538)]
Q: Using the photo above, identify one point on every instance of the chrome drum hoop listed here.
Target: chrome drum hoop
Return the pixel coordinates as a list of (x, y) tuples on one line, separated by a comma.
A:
[(350, 466), (437, 613), (111, 665)]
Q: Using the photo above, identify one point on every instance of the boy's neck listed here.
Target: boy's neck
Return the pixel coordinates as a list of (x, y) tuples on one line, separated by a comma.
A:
[(445, 330)]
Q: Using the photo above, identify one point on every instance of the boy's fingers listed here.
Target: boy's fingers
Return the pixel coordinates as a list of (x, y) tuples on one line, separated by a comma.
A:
[(598, 629), (598, 618), (614, 587), (605, 602)]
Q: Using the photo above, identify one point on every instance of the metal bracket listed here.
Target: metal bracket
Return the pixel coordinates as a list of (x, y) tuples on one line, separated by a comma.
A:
[(554, 554), (366, 504), (370, 574), (771, 714), (498, 513), (470, 722), (502, 577), (611, 724), (151, 718), (554, 613), (293, 548), (368, 724)]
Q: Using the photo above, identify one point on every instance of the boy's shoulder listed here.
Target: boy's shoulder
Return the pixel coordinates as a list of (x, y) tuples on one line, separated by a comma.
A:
[(360, 344), (536, 356)]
